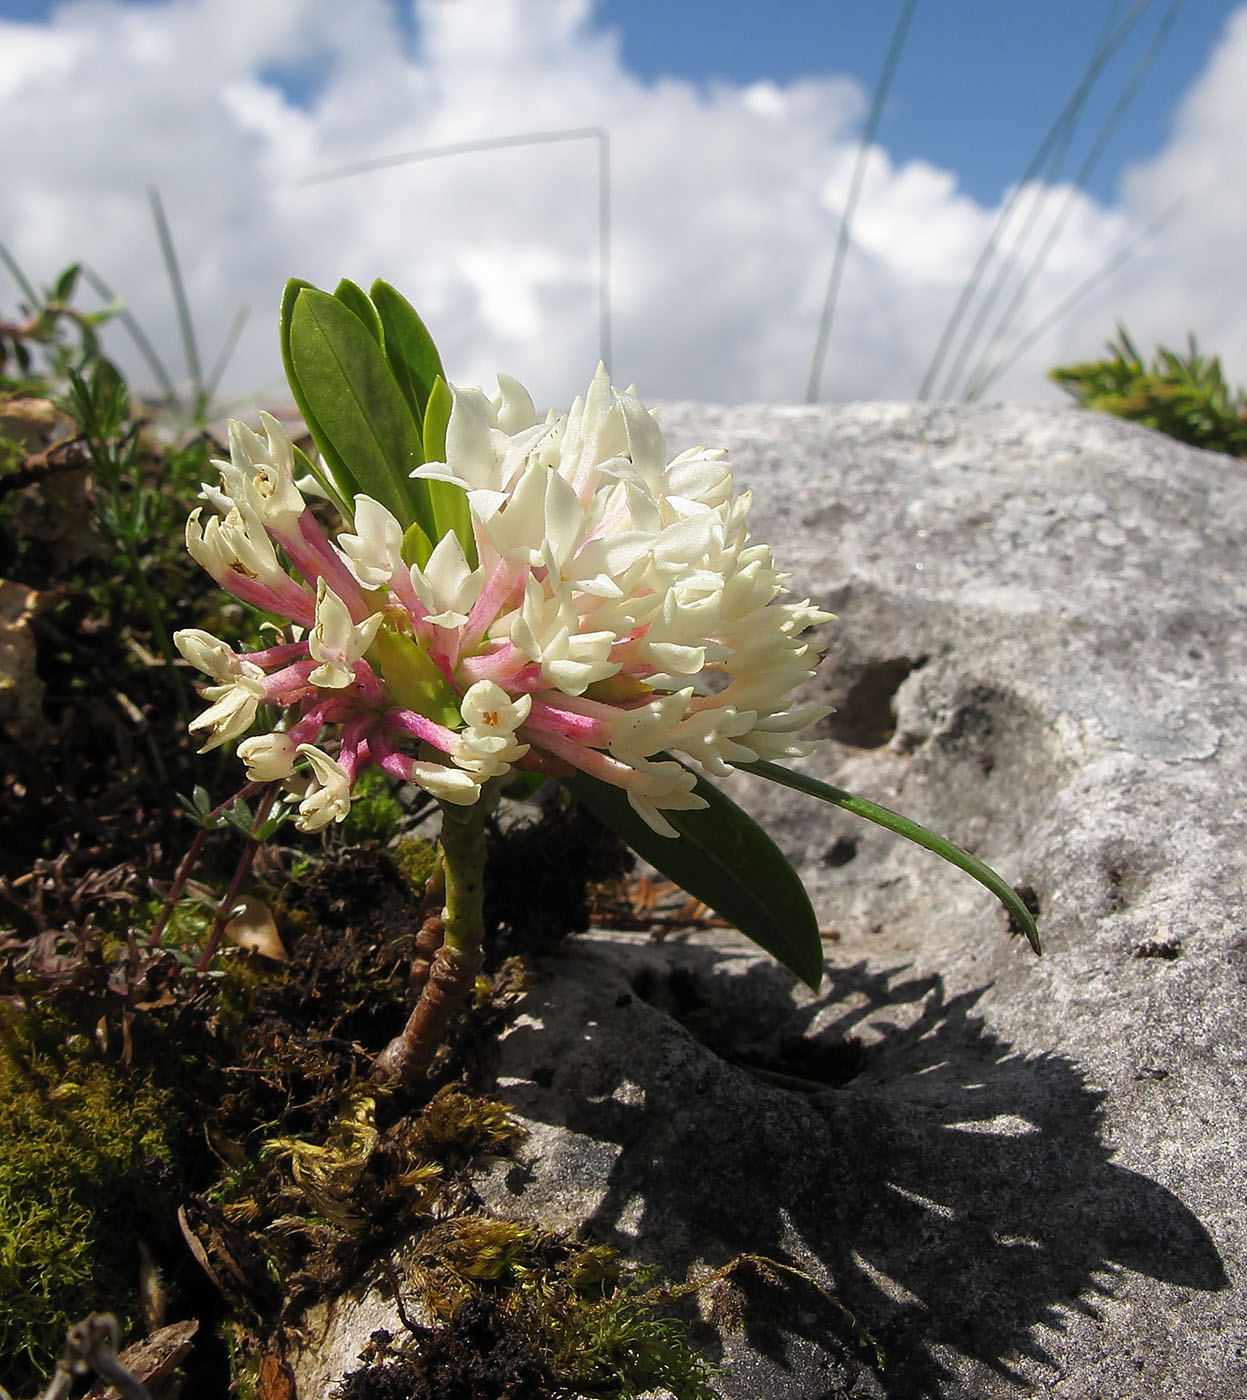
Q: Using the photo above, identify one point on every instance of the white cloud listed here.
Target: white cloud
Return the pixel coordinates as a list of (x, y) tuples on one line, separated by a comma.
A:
[(724, 199)]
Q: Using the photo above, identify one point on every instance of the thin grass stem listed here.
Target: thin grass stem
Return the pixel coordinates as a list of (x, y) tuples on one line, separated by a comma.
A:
[(1067, 304), (227, 351), (145, 347), (1009, 315), (850, 205), (186, 326), (1069, 112), (23, 282)]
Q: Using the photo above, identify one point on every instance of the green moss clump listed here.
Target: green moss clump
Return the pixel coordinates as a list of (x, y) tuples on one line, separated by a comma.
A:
[(376, 814), (533, 1316), (82, 1146), (417, 861), (456, 1127)]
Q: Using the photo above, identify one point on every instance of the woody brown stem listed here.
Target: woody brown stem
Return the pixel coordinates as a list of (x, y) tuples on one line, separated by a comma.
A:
[(452, 973), (408, 1056)]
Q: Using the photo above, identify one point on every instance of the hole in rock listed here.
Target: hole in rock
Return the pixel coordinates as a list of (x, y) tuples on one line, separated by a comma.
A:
[(866, 717), (1026, 893), (840, 852)]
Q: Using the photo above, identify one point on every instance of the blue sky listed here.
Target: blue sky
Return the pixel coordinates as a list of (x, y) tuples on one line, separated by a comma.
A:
[(734, 132), (978, 82)]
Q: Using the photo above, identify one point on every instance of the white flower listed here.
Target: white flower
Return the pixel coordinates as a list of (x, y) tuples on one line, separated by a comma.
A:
[(207, 653), (608, 608), (487, 745), (446, 783), (236, 543), (232, 712), (447, 586), (375, 548), (260, 473), (337, 642), (328, 797), (269, 757)]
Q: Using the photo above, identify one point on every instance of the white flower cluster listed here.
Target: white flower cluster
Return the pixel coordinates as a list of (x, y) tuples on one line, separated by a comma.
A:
[(609, 609)]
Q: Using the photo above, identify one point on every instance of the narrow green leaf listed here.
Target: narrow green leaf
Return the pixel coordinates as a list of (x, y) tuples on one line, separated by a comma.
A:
[(27, 288), (407, 344), (449, 502), (305, 465), (412, 678), (451, 512), (343, 483), (356, 405), (354, 297), (725, 859), (416, 547), (911, 830), (65, 283), (437, 420)]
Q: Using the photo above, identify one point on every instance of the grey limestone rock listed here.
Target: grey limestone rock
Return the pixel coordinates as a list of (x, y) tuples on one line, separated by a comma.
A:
[(1023, 1176)]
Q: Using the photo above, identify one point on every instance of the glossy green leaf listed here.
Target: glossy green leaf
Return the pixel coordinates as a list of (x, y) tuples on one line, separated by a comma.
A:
[(343, 484), (416, 547), (408, 346), (354, 297), (437, 420), (413, 680), (911, 830), (725, 859), (363, 424), (449, 502)]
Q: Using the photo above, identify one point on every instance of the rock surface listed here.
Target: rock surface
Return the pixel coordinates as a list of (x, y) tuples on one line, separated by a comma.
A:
[(1023, 1176)]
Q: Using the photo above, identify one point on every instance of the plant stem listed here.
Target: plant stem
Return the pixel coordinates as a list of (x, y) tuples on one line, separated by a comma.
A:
[(225, 909), (409, 1055)]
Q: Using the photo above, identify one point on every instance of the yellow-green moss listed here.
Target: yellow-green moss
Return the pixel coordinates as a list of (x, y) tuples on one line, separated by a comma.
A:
[(416, 860), (549, 1315), (81, 1144)]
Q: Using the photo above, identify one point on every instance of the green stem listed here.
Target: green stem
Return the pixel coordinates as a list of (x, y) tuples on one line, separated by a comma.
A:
[(408, 1058), (463, 866), (911, 830)]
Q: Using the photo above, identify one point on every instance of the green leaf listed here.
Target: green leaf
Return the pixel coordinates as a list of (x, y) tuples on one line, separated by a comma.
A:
[(363, 425), (911, 830), (354, 297), (437, 420), (343, 484), (64, 290), (408, 346), (416, 546), (449, 502), (308, 467), (412, 678), (725, 859)]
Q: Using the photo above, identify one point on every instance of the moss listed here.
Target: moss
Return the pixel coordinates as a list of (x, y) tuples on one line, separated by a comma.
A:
[(376, 814), (417, 862), (524, 1313), (83, 1145), (455, 1127)]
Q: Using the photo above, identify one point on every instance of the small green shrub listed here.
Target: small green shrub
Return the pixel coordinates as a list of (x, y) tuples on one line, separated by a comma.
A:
[(1183, 396)]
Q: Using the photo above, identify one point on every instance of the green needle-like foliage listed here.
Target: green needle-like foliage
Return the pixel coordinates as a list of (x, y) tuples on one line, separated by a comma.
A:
[(1184, 396)]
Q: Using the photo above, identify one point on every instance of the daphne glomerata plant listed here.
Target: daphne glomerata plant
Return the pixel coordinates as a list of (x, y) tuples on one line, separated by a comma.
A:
[(508, 593)]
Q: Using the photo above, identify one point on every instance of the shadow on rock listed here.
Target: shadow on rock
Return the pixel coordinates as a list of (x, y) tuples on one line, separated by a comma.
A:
[(956, 1196)]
